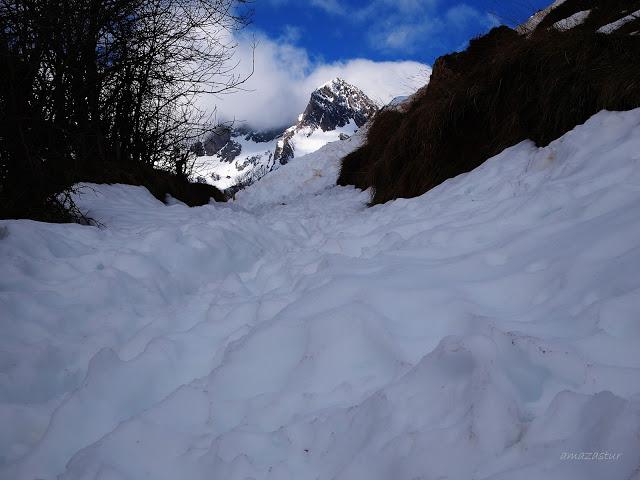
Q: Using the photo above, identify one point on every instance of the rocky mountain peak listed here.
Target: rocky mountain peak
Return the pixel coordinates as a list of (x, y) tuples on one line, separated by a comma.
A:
[(335, 104)]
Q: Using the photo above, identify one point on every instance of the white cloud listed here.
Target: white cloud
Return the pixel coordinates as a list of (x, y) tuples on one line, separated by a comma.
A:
[(290, 34), (462, 14), (377, 9), (393, 26), (409, 23), (406, 35), (331, 6), (381, 81), (285, 76)]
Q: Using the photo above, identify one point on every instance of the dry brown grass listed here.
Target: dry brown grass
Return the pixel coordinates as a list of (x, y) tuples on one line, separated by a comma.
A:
[(503, 89)]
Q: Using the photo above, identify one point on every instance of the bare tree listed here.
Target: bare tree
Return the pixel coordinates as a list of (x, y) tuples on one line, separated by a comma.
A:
[(94, 87)]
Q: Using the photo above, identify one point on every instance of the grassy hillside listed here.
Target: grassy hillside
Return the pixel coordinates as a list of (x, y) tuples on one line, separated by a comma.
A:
[(504, 88)]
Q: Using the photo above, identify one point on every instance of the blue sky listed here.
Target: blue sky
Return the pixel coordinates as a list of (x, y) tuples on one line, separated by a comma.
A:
[(419, 30), (384, 47)]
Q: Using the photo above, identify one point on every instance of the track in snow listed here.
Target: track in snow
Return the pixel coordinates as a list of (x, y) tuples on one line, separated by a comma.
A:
[(479, 331)]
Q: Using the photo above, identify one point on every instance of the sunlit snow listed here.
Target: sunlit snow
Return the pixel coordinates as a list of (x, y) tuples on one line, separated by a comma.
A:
[(572, 21), (485, 330)]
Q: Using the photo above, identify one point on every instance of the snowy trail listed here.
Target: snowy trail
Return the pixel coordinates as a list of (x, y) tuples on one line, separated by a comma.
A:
[(479, 331)]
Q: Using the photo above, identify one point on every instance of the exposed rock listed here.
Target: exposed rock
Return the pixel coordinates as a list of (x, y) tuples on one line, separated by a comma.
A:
[(335, 104), (229, 151), (217, 139)]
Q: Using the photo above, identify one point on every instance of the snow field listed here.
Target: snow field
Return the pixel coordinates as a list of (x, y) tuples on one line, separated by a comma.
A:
[(308, 140), (479, 331), (260, 152)]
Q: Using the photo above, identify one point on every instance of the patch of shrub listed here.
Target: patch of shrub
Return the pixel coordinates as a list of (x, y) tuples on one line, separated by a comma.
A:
[(162, 183), (356, 166), (108, 91)]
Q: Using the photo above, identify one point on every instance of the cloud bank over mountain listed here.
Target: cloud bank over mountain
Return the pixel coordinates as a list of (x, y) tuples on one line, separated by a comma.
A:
[(285, 75)]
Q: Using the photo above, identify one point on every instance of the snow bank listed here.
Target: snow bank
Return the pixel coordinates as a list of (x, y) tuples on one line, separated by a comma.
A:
[(487, 329), (613, 26), (572, 21)]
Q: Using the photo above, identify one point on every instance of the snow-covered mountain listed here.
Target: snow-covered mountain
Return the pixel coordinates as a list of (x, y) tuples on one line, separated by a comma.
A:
[(238, 156)]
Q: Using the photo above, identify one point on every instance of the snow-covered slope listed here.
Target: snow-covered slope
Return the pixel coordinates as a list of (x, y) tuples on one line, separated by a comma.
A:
[(336, 110), (485, 330)]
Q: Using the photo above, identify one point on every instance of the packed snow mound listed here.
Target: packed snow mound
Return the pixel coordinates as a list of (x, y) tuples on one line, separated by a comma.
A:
[(485, 330)]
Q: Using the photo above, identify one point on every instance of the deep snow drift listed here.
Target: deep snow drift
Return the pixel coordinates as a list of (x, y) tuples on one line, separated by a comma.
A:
[(483, 330)]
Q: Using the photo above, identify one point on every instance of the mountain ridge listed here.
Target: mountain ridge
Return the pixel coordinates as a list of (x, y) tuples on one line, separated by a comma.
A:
[(233, 157)]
